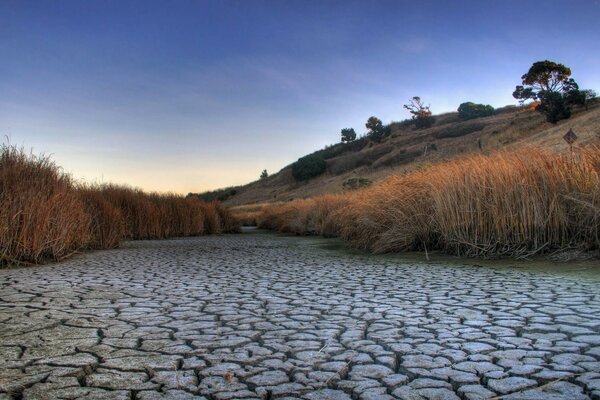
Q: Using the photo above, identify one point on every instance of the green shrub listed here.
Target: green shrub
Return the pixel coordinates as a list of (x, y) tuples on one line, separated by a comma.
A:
[(308, 167), (471, 110), (219, 194), (424, 121)]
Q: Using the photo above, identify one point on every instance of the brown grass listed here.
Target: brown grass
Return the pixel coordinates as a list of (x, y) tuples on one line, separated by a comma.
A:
[(44, 215), (506, 204), (41, 214), (248, 215)]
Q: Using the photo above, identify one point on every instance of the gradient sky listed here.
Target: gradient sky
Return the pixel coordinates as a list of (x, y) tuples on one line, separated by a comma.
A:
[(194, 95)]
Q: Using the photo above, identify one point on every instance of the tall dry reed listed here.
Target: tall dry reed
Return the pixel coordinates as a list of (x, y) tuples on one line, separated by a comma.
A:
[(44, 215), (41, 214), (507, 204)]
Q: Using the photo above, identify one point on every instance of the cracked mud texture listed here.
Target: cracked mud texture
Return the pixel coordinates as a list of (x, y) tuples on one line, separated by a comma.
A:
[(260, 316)]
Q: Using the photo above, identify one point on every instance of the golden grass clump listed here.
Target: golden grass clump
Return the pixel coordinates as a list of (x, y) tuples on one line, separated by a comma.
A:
[(41, 213), (306, 216), (108, 227), (45, 215), (507, 204)]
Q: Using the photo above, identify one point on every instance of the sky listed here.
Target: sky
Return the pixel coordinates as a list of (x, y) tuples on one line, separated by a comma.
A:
[(188, 96)]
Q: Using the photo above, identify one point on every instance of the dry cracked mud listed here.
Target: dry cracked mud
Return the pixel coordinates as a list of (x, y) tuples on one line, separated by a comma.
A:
[(260, 316)]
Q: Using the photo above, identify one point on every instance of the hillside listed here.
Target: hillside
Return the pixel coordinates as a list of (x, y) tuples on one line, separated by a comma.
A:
[(406, 148)]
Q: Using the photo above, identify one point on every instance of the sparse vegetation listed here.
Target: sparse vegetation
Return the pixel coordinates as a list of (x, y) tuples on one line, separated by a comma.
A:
[(471, 110), (45, 215), (216, 195), (264, 174), (507, 204), (460, 130), (308, 167), (356, 183), (421, 114)]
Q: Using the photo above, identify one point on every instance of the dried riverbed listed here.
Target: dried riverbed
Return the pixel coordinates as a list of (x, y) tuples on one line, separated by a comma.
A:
[(264, 316)]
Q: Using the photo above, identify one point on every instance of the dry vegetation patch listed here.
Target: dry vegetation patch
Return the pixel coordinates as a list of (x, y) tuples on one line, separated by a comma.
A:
[(45, 215), (505, 204)]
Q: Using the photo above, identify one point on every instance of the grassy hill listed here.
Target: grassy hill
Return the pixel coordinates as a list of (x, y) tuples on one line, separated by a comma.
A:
[(406, 149)]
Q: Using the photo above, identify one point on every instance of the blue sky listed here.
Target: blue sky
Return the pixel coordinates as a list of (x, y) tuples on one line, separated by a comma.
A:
[(194, 95)]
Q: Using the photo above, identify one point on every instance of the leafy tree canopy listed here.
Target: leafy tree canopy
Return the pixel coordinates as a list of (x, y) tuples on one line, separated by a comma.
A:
[(551, 84), (376, 129), (348, 135), (470, 110)]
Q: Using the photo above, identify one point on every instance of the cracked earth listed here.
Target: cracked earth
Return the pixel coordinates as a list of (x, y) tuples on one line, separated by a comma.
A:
[(259, 316)]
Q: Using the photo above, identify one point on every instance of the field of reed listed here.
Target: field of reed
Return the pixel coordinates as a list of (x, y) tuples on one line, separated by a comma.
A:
[(508, 204), (44, 214)]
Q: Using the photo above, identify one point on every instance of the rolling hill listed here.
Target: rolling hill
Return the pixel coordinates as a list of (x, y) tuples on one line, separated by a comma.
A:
[(406, 148)]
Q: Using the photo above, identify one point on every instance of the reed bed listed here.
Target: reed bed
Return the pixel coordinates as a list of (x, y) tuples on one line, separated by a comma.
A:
[(506, 204), (45, 215)]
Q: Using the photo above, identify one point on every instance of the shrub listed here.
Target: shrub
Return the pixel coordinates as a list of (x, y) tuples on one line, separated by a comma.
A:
[(424, 122), (308, 167), (219, 194), (471, 110)]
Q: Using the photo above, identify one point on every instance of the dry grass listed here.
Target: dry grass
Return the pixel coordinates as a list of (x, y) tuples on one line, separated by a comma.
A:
[(44, 215), (248, 215), (506, 204), (306, 216), (41, 214)]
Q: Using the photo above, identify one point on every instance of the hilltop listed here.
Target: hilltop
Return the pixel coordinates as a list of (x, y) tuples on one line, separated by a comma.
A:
[(405, 148)]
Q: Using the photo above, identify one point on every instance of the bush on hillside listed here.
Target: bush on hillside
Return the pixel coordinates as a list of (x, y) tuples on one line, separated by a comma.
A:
[(217, 195), (308, 167), (471, 110)]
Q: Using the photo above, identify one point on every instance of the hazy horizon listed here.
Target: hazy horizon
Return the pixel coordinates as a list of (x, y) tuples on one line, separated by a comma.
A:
[(194, 96)]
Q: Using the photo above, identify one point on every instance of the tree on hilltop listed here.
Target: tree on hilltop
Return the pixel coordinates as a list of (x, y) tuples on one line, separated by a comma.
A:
[(348, 135), (551, 84), (421, 114), (376, 129)]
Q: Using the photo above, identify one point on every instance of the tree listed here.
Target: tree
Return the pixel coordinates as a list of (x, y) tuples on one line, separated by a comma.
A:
[(551, 84), (348, 135), (264, 174), (582, 97), (376, 129), (421, 114), (471, 110)]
